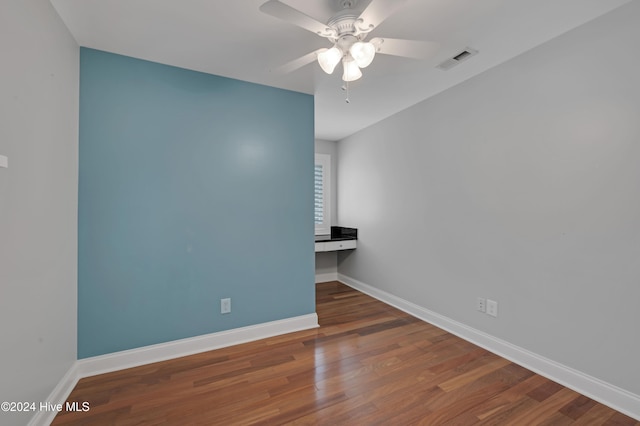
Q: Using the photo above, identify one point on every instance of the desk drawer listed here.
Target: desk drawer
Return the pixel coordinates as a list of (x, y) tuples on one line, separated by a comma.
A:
[(336, 245)]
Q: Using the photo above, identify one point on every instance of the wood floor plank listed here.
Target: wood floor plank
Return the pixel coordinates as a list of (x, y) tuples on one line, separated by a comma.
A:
[(504, 401), (473, 375), (598, 414), (367, 364), (545, 409)]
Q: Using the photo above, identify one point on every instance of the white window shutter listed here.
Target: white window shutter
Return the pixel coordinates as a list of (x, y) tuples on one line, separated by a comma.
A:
[(322, 212)]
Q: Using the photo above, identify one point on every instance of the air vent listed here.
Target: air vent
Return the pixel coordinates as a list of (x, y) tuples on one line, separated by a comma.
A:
[(460, 57)]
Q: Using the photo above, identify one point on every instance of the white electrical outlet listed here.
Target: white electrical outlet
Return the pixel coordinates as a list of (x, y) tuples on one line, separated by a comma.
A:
[(225, 306), (481, 304), (492, 308), (4, 161)]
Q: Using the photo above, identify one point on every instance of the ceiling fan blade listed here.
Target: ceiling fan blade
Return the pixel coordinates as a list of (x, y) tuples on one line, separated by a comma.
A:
[(376, 12), (287, 13), (407, 48), (299, 63)]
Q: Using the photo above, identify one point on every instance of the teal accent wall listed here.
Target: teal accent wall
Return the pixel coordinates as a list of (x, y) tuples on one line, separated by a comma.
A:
[(192, 188)]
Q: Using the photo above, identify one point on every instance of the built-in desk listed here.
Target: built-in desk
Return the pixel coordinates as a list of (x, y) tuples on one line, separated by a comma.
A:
[(341, 238)]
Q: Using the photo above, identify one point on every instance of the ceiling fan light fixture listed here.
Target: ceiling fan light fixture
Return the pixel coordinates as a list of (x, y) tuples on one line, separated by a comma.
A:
[(329, 59), (363, 53), (351, 70)]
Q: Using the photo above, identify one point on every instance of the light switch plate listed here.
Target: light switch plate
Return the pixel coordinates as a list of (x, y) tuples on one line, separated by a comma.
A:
[(4, 161)]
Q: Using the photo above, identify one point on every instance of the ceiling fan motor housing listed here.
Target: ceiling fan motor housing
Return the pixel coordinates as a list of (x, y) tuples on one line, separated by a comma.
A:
[(344, 23)]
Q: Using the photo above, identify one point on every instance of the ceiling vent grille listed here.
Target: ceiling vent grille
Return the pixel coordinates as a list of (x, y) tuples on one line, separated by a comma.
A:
[(457, 59)]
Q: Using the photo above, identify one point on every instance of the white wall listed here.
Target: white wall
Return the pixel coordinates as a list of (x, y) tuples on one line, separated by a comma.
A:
[(326, 263), (38, 202), (521, 185)]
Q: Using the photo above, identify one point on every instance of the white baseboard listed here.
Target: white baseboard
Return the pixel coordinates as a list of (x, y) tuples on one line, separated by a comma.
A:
[(164, 351), (328, 276), (57, 396), (594, 388), (161, 352)]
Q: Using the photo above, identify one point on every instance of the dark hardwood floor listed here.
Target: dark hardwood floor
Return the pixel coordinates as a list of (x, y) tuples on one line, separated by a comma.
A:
[(367, 364)]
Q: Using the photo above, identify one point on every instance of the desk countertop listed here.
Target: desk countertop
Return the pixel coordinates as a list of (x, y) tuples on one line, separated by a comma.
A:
[(339, 233)]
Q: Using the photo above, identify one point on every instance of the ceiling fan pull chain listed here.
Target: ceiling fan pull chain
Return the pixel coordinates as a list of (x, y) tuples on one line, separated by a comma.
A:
[(346, 87)]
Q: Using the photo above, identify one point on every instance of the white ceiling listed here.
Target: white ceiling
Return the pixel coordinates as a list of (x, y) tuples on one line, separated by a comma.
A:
[(234, 39)]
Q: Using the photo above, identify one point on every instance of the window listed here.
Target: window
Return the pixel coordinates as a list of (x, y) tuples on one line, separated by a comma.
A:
[(322, 208)]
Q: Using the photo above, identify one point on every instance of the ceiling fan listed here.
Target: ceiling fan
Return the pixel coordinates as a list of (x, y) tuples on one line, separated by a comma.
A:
[(347, 31)]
